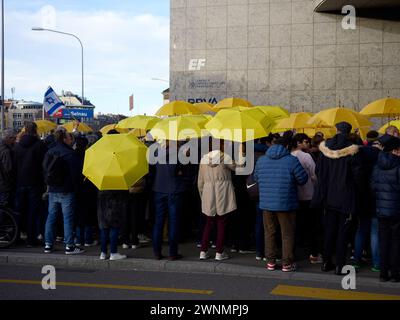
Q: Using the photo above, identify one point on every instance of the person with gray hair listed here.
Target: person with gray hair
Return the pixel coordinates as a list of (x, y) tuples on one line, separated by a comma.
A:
[(7, 172)]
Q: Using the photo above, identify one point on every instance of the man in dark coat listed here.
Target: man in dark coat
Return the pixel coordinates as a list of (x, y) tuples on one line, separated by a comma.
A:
[(169, 184), (386, 185), (28, 158), (7, 174), (339, 174), (62, 190)]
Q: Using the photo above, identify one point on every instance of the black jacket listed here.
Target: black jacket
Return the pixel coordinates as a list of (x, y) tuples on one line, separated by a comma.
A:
[(385, 183), (7, 174), (339, 172), (28, 158), (73, 168)]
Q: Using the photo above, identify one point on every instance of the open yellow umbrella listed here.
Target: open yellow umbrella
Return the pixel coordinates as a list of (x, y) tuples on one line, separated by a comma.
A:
[(139, 133), (333, 116), (386, 107), (178, 129), (232, 102), (233, 125), (106, 129), (296, 121), (116, 162), (177, 108), (138, 122), (204, 107), (79, 126), (395, 123), (276, 112), (45, 126)]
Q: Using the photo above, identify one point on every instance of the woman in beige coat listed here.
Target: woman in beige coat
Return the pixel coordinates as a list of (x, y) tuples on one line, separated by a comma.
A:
[(217, 198)]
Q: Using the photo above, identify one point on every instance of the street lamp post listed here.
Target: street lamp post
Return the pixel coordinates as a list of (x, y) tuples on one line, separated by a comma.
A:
[(72, 35)]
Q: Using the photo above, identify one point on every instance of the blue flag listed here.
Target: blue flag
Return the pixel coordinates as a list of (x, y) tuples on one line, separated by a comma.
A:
[(52, 102)]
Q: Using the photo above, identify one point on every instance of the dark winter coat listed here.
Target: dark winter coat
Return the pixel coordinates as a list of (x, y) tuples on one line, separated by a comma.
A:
[(73, 168), (28, 159), (7, 174), (111, 208), (339, 173), (278, 174), (385, 183)]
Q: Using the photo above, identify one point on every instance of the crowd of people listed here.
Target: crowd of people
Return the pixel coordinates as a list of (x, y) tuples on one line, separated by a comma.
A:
[(336, 199)]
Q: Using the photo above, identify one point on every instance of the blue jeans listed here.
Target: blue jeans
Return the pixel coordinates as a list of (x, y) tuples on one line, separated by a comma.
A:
[(109, 236), (259, 233), (67, 203), (367, 226), (164, 204), (27, 205), (84, 235)]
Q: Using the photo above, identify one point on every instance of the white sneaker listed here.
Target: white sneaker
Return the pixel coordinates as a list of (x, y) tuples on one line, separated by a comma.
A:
[(117, 256), (103, 256), (221, 256), (204, 255), (40, 237), (125, 246), (135, 246)]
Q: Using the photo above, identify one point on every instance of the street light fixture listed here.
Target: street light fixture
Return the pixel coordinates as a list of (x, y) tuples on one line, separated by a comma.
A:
[(72, 35)]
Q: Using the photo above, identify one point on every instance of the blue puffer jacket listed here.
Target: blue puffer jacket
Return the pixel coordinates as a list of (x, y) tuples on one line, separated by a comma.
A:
[(278, 174), (386, 185)]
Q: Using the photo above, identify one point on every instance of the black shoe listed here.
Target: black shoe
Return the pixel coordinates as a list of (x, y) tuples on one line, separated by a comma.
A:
[(395, 277), (73, 250), (327, 266), (176, 257), (158, 256), (384, 277), (338, 271), (48, 249)]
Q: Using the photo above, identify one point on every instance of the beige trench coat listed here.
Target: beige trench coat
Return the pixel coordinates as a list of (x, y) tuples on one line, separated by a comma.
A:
[(215, 185)]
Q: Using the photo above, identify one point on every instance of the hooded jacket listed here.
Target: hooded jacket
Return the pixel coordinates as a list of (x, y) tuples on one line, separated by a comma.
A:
[(340, 175), (73, 166), (215, 184), (278, 174), (28, 157), (7, 178), (385, 183)]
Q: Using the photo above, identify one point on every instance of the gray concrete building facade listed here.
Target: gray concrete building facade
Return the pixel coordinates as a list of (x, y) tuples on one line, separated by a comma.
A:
[(281, 52)]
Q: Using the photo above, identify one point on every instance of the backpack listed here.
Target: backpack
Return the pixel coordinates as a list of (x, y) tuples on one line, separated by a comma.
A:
[(252, 188), (55, 170)]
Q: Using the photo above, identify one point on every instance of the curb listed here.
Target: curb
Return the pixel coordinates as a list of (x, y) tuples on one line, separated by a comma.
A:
[(202, 267)]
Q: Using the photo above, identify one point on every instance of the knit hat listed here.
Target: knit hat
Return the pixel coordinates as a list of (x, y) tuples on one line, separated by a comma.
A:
[(344, 127), (389, 142)]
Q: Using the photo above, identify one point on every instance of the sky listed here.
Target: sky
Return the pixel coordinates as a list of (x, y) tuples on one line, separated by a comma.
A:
[(126, 44)]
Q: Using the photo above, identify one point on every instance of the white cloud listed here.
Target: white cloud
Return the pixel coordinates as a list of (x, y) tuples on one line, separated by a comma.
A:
[(122, 53)]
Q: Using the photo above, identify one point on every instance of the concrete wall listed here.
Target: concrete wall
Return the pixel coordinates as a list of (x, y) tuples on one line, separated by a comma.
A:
[(280, 52)]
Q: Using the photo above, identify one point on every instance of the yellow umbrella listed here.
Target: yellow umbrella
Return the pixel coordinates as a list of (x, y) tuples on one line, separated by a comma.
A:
[(233, 125), (276, 112), (139, 133), (138, 122), (333, 116), (382, 108), (295, 121), (395, 123), (81, 127), (232, 102), (204, 107), (44, 126), (178, 128), (116, 162), (177, 108), (106, 129), (200, 119)]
